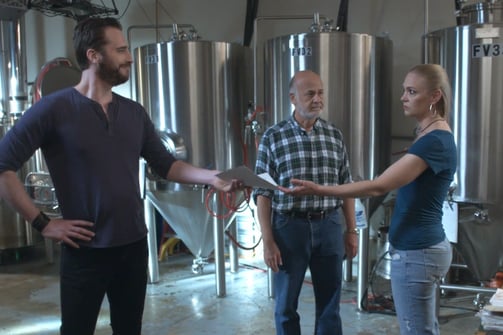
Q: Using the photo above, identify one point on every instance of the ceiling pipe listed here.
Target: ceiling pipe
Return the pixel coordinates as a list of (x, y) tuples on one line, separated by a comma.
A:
[(251, 15), (342, 17)]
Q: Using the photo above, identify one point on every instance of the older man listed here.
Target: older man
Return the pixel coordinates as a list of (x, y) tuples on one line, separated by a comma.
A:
[(302, 232)]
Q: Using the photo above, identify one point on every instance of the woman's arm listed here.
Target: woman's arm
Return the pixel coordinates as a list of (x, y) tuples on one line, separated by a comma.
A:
[(402, 172)]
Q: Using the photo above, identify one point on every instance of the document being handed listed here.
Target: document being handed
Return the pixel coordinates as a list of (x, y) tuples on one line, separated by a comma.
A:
[(249, 178)]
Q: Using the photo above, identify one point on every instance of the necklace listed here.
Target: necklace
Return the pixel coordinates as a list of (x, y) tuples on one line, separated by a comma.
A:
[(420, 130)]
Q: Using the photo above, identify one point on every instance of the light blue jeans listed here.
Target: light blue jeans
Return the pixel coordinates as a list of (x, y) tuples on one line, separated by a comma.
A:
[(415, 280)]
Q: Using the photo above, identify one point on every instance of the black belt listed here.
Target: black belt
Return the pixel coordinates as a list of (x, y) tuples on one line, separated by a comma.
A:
[(311, 215)]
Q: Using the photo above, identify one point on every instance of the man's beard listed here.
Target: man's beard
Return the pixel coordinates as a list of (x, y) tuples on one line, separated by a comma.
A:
[(111, 75), (309, 114)]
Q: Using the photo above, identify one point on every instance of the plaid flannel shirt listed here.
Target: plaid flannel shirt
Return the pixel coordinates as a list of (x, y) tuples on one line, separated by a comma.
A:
[(287, 151)]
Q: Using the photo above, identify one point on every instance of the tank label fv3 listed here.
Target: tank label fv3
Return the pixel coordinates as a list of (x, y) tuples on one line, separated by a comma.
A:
[(487, 50)]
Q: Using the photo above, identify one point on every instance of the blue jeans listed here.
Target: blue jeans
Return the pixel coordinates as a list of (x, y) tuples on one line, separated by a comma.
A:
[(87, 274), (415, 279), (316, 244)]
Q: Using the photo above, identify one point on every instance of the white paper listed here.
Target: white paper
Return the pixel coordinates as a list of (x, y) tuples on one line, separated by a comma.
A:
[(249, 178), (497, 298), (450, 221)]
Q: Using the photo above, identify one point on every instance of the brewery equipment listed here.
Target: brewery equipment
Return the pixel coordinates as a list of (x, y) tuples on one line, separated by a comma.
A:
[(355, 69), (471, 52), (198, 94), (15, 233)]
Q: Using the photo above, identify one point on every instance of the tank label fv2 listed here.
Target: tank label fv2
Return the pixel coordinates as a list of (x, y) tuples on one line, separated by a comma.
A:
[(301, 51), (487, 50)]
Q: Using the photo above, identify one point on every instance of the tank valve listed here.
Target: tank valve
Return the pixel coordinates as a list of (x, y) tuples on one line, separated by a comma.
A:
[(482, 216), (328, 26), (252, 120)]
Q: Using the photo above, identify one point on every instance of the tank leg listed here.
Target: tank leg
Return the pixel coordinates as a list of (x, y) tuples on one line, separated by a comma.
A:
[(153, 265)]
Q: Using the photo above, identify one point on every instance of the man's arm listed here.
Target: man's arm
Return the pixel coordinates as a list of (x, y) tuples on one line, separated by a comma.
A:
[(350, 235), (272, 255), (185, 173), (14, 193)]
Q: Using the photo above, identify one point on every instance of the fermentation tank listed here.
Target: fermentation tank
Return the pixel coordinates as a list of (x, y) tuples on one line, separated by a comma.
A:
[(472, 54), (355, 69), (197, 93), (15, 233)]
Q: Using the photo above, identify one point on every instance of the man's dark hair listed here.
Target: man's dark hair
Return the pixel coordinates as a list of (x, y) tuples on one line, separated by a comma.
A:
[(90, 34)]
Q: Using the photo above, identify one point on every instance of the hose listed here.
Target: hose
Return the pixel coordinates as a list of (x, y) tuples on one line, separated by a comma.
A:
[(229, 201)]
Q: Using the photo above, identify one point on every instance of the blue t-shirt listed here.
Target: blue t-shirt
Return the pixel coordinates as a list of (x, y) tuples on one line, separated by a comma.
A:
[(417, 217), (93, 159)]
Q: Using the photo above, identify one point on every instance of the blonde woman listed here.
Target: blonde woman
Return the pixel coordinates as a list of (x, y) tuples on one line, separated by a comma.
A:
[(420, 252)]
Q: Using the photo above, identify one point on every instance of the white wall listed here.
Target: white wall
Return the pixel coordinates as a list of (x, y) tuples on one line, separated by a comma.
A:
[(223, 20)]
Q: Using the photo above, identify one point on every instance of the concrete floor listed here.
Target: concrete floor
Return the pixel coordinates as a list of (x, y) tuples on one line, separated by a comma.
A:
[(185, 303)]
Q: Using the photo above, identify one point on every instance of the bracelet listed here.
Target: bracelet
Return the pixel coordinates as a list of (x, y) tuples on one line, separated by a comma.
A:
[(353, 231), (40, 222)]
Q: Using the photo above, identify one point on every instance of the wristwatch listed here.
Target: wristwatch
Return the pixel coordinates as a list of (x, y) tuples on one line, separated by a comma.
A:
[(40, 222), (353, 231)]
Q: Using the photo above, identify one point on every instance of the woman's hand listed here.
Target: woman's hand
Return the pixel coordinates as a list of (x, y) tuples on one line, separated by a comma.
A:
[(301, 187)]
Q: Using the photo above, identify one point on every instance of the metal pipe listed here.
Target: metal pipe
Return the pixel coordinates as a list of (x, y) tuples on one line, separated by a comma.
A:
[(474, 289), (251, 14), (426, 16), (270, 283), (13, 88), (459, 266), (347, 267), (233, 248), (426, 28), (363, 272), (49, 250), (342, 17), (153, 26), (457, 7), (153, 265), (218, 238)]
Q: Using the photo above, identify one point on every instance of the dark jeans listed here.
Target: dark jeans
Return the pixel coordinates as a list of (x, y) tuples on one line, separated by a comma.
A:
[(317, 244), (87, 274)]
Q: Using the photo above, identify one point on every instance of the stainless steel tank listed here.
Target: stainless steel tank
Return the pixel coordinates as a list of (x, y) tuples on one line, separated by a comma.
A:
[(472, 54), (197, 94), (14, 231), (356, 71), (56, 74)]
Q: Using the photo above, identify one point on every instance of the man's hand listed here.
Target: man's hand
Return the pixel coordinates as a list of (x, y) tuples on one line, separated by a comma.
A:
[(67, 231), (227, 186), (272, 256), (350, 244)]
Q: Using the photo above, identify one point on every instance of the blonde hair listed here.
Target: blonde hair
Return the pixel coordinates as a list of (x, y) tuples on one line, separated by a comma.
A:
[(436, 78)]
